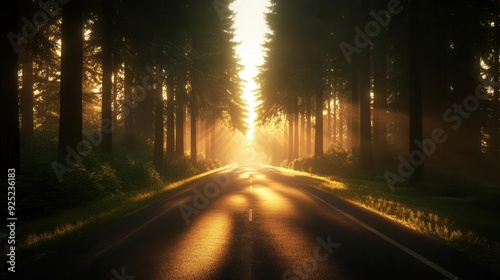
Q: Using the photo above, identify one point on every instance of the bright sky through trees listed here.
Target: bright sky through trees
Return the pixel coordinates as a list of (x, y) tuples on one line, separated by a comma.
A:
[(250, 27)]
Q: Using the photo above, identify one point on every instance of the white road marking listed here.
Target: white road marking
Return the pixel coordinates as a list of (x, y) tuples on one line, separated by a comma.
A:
[(410, 252), (250, 188), (250, 215)]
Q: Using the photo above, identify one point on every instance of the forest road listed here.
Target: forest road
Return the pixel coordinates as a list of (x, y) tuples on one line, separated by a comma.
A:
[(254, 222)]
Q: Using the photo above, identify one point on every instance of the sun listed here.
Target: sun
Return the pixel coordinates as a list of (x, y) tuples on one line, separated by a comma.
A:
[(250, 29)]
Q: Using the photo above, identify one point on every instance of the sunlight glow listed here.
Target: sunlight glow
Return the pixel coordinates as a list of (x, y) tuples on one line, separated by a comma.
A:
[(250, 28)]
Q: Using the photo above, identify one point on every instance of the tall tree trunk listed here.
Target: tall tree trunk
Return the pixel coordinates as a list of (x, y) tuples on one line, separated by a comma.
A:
[(114, 97), (179, 130), (206, 138), (213, 140), (296, 135), (334, 116), (159, 125), (318, 135), (468, 134), (302, 150), (70, 118), (285, 140), (329, 133), (144, 112), (27, 99), (107, 72), (353, 128), (365, 143), (341, 123), (380, 94), (495, 135), (401, 99), (170, 117), (415, 91), (9, 121), (436, 92), (290, 139), (362, 67), (128, 109), (308, 126), (194, 150), (179, 124)]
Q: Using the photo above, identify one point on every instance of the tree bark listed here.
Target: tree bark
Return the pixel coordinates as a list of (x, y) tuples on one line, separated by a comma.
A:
[(329, 121), (128, 109), (318, 135), (415, 92), (334, 116), (296, 135), (341, 123), (495, 135), (365, 140), (9, 121), (114, 97), (159, 126), (353, 128), (179, 123), (380, 94), (285, 141), (194, 116), (308, 126), (70, 118), (206, 138), (144, 112), (302, 150), (107, 72), (213, 135), (290, 139), (170, 117), (27, 99), (466, 70)]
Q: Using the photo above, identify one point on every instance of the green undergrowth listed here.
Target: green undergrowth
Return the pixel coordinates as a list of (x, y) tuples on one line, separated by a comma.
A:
[(40, 236), (98, 190)]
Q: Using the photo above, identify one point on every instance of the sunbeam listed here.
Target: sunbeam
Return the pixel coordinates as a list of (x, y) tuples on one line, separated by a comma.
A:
[(250, 28)]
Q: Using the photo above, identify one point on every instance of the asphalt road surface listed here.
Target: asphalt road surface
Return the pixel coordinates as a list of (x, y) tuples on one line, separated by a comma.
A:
[(253, 222)]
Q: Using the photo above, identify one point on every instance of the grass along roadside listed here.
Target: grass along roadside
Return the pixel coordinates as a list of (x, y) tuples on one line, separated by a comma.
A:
[(459, 222), (38, 237)]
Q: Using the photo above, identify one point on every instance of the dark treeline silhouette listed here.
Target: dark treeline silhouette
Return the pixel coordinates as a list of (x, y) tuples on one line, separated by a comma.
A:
[(158, 78), (383, 78)]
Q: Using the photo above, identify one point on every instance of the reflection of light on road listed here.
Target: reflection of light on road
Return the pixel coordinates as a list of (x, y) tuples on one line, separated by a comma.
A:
[(270, 200), (290, 242), (201, 250), (237, 200)]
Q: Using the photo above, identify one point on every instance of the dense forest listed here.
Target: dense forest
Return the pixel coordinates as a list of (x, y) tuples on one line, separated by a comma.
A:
[(129, 119), (100, 93), (406, 92), (97, 95)]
